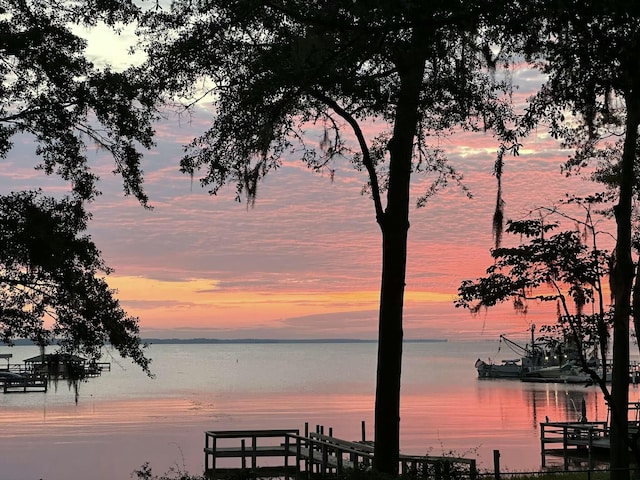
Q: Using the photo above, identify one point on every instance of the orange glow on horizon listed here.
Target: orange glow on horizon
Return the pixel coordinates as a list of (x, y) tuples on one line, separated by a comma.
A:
[(202, 302)]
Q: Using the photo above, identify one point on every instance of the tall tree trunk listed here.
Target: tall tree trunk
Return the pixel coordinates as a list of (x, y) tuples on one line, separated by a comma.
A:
[(635, 303), (395, 225), (622, 274)]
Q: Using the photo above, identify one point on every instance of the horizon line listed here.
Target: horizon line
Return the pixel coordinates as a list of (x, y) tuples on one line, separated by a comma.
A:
[(206, 340)]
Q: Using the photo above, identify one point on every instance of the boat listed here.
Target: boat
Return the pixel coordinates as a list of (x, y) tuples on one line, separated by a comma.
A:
[(538, 360), (557, 373), (507, 369)]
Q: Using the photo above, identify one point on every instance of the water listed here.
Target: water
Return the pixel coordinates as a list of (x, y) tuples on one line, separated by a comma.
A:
[(123, 418)]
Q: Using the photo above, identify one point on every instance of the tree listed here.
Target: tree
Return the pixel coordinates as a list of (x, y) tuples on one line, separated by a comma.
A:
[(51, 279), (589, 53), (559, 268), (276, 69), (51, 93)]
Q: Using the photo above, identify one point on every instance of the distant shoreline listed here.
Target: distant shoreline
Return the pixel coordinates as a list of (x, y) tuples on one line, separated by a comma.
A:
[(191, 341), (279, 340)]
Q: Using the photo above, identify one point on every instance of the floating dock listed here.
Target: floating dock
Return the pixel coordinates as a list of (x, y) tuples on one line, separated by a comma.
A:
[(24, 384), (582, 439), (289, 454), (568, 439), (34, 373)]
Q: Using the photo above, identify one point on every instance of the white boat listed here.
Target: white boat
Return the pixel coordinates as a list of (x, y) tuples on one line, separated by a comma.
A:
[(531, 358), (555, 372), (506, 369), (550, 360)]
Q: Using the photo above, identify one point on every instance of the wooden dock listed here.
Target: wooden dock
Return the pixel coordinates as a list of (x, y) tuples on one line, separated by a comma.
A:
[(588, 441), (24, 384), (288, 454), (582, 440), (33, 376)]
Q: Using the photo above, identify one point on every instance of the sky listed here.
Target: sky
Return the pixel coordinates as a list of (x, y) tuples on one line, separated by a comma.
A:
[(305, 260)]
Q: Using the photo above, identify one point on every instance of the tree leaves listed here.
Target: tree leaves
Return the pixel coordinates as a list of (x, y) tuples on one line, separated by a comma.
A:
[(281, 68), (52, 286), (48, 89), (544, 269)]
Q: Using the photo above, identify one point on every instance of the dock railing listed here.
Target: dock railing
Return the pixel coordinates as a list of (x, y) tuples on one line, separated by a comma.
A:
[(247, 445), (30, 383), (325, 455), (420, 466), (313, 454), (567, 435)]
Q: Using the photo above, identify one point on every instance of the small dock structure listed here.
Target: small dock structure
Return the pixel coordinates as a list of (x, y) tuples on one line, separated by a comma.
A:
[(7, 357), (34, 373), (23, 384), (567, 438), (289, 454), (13, 378), (65, 365), (582, 439)]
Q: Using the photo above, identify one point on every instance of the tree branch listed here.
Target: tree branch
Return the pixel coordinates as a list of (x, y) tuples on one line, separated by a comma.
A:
[(364, 148)]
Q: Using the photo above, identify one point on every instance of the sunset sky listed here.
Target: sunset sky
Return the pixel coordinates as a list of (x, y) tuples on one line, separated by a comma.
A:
[(304, 262)]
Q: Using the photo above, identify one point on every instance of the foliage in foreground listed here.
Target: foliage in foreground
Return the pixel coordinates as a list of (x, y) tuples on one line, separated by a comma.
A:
[(53, 289), (145, 472), (55, 99), (562, 476), (179, 473)]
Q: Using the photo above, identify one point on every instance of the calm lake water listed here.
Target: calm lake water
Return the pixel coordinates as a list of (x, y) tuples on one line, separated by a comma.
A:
[(123, 418)]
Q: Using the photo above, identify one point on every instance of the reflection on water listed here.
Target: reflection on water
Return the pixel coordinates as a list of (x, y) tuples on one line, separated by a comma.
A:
[(126, 416), (498, 414)]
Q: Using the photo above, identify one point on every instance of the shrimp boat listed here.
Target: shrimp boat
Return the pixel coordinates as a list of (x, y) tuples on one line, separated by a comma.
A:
[(537, 360), (506, 369)]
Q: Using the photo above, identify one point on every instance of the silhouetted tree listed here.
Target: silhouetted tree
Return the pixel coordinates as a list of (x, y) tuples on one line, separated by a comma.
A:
[(52, 92), (589, 51), (567, 268), (52, 285), (50, 277), (274, 69)]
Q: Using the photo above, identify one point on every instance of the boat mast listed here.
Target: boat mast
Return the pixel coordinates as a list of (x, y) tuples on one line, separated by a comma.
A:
[(533, 329)]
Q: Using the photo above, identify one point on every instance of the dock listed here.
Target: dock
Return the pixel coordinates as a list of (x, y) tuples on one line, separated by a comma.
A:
[(289, 454), (561, 438), (33, 374), (32, 383), (582, 439)]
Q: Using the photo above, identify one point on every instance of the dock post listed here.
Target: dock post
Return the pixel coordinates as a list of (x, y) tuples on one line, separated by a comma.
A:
[(542, 452), (590, 463), (298, 458), (364, 436), (496, 464), (565, 446), (254, 447), (286, 457), (325, 460), (473, 473), (331, 431)]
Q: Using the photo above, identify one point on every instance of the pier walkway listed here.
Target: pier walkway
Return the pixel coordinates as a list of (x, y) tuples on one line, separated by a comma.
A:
[(585, 440), (32, 383), (32, 376), (288, 454)]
